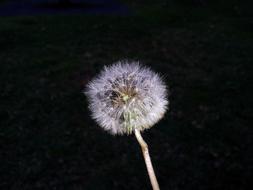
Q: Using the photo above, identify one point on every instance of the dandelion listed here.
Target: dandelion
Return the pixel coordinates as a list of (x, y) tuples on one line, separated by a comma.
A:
[(127, 98)]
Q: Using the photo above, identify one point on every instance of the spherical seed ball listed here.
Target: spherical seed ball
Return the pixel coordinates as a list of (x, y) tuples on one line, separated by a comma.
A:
[(127, 96)]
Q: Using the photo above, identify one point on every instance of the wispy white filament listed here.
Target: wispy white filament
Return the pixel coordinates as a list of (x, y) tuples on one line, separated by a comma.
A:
[(127, 96)]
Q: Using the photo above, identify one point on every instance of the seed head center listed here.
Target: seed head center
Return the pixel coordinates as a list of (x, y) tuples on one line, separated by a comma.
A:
[(125, 97)]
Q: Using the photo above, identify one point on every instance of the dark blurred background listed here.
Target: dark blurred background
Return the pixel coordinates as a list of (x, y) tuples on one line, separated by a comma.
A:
[(49, 50)]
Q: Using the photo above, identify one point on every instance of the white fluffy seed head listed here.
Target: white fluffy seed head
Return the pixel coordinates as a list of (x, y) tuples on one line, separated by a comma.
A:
[(127, 96)]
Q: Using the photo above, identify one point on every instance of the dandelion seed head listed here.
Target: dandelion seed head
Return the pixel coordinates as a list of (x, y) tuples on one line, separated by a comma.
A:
[(127, 96)]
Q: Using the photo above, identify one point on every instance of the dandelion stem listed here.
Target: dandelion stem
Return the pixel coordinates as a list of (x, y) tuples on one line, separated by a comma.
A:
[(147, 159)]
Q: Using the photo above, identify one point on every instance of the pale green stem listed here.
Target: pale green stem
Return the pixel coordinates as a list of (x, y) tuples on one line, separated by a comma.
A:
[(147, 159)]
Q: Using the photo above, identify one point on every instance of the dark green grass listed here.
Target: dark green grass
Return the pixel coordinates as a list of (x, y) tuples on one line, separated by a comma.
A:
[(48, 140)]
